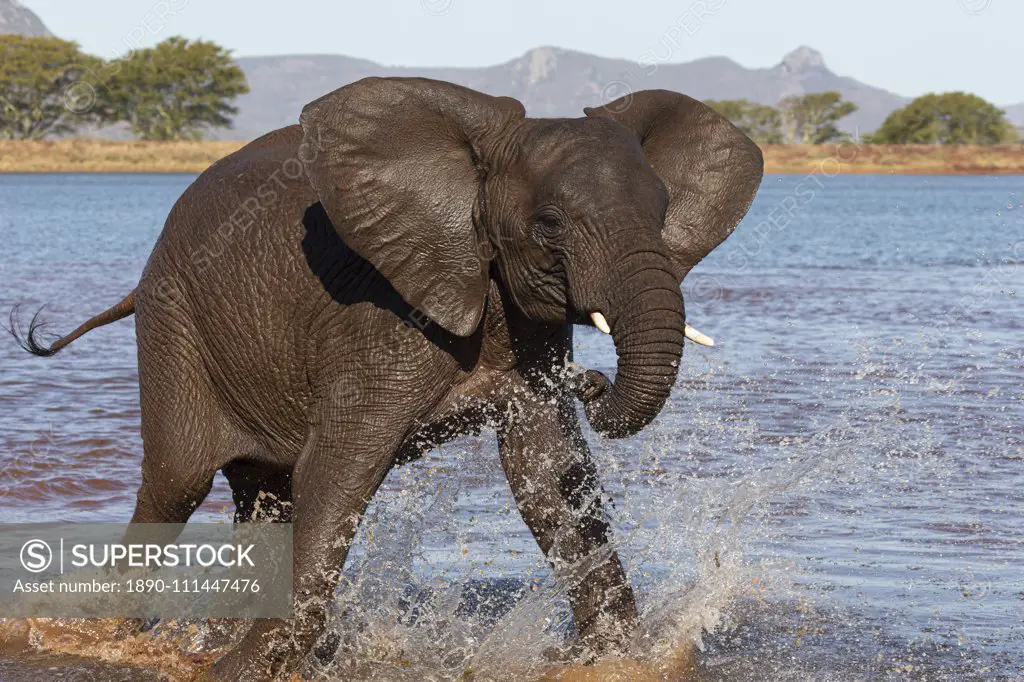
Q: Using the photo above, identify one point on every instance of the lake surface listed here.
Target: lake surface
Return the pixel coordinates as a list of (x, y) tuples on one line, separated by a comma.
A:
[(834, 492)]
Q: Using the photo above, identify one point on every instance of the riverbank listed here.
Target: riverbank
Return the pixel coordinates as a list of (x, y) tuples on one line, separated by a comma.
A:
[(133, 156), (907, 159)]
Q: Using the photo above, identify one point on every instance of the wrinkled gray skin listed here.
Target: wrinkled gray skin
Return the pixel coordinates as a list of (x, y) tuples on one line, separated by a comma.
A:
[(404, 267)]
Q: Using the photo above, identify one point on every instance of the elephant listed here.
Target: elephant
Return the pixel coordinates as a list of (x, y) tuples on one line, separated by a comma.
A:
[(404, 266)]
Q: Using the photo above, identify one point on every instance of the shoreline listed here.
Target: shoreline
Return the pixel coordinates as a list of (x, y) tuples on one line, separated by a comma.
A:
[(134, 156)]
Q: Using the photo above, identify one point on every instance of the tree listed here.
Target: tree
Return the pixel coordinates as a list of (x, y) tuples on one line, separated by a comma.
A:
[(948, 118), (176, 90), (47, 87), (759, 122), (811, 119)]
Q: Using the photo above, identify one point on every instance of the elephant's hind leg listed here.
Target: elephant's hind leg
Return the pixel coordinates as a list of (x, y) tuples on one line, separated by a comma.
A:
[(184, 435), (181, 440), (336, 476)]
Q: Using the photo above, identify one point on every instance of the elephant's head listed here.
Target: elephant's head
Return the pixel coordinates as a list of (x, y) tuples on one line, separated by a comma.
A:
[(590, 220)]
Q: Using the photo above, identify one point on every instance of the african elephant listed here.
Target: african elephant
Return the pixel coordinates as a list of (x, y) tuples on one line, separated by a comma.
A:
[(405, 266)]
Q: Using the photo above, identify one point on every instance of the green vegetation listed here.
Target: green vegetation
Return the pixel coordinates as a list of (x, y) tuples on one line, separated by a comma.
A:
[(176, 90), (804, 119), (44, 85), (811, 119), (949, 118), (760, 122)]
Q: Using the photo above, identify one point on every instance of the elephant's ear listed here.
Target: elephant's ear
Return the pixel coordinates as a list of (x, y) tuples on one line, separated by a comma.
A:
[(711, 169), (397, 163)]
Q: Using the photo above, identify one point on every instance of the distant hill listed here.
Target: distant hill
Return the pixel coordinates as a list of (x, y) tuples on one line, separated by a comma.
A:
[(18, 19), (1015, 114), (554, 82)]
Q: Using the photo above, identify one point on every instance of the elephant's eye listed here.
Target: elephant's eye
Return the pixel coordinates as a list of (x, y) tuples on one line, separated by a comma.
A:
[(548, 225)]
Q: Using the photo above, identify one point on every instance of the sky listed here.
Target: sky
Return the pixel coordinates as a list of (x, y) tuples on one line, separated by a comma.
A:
[(909, 47)]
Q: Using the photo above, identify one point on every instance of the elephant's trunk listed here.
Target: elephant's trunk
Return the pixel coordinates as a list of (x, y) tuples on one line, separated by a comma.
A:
[(647, 324)]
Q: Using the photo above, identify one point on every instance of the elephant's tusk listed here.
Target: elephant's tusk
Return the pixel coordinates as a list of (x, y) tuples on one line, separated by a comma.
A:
[(697, 337), (600, 322)]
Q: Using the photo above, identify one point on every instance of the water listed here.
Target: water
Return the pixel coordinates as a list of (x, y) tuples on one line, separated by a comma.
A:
[(834, 492)]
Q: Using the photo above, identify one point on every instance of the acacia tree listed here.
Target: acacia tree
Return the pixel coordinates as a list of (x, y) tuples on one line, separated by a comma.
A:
[(47, 87), (759, 122), (948, 118), (176, 90), (811, 119)]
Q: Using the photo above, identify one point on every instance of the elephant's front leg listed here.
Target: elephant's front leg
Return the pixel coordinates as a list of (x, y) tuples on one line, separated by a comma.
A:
[(333, 482), (558, 493)]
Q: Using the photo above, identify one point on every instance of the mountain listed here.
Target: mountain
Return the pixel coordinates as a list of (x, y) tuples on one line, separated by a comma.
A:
[(1015, 114), (554, 82), (16, 18), (548, 80)]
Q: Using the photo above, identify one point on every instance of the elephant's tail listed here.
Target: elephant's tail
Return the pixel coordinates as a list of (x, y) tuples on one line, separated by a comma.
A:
[(30, 340)]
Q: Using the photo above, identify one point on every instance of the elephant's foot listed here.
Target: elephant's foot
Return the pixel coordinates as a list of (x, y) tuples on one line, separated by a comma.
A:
[(273, 647), (611, 639), (577, 663), (267, 649), (605, 611)]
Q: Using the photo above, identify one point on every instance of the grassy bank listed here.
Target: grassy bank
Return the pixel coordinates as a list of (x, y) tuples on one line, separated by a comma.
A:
[(908, 159), (108, 156)]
